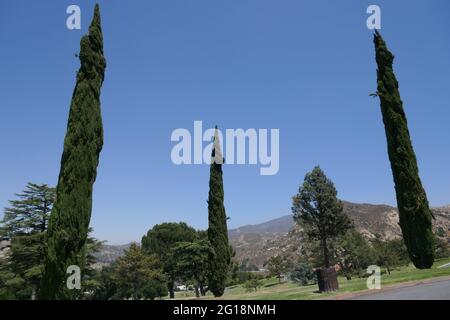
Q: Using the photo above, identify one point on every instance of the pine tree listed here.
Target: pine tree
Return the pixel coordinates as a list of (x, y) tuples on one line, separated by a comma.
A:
[(217, 230), (278, 266), (29, 214), (139, 275), (69, 221), (415, 214), (318, 210), (25, 223)]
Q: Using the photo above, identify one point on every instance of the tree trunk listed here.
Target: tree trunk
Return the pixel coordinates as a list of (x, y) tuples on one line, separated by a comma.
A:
[(202, 289), (326, 257), (348, 277), (345, 271), (171, 291), (197, 293), (327, 279), (33, 292)]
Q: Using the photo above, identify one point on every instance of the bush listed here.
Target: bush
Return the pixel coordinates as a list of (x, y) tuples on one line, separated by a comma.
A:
[(353, 253), (440, 232), (155, 289), (278, 266), (303, 274), (391, 253), (243, 276), (442, 249), (252, 284)]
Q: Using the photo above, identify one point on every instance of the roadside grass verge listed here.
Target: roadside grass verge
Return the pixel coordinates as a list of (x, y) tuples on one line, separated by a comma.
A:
[(272, 290)]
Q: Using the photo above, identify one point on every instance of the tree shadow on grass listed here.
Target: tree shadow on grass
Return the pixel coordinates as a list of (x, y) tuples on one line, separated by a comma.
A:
[(272, 285)]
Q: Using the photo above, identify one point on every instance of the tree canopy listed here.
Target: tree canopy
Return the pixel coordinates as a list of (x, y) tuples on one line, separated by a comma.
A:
[(317, 209)]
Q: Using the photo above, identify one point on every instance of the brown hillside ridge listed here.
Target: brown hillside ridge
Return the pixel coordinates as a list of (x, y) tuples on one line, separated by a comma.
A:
[(257, 243)]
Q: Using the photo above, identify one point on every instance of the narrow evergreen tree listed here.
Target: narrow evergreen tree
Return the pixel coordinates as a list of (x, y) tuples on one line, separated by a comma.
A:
[(70, 217), (217, 230), (415, 214)]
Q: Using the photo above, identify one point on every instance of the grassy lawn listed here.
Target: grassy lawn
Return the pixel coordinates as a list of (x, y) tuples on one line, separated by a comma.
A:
[(271, 290)]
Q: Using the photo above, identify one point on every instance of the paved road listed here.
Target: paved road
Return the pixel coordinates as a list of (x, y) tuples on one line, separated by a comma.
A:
[(427, 291)]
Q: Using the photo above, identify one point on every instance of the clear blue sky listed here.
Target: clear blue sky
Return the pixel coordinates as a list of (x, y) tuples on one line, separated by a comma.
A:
[(305, 67)]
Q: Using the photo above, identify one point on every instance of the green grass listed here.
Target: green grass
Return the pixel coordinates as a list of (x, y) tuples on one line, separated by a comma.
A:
[(271, 290)]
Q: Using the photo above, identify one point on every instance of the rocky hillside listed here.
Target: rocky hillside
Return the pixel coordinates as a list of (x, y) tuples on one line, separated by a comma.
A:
[(109, 253), (257, 243)]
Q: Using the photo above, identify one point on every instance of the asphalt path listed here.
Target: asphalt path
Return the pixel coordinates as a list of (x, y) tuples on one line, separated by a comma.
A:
[(422, 291)]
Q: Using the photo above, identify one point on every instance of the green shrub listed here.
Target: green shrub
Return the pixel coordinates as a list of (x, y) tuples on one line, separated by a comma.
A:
[(252, 284), (303, 274)]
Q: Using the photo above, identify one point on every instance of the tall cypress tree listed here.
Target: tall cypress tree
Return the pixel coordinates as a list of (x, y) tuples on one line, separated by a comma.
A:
[(217, 230), (415, 214), (70, 217)]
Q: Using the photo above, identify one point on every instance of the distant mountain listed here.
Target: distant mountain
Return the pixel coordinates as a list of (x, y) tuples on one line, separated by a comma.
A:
[(275, 226), (109, 253), (255, 244)]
